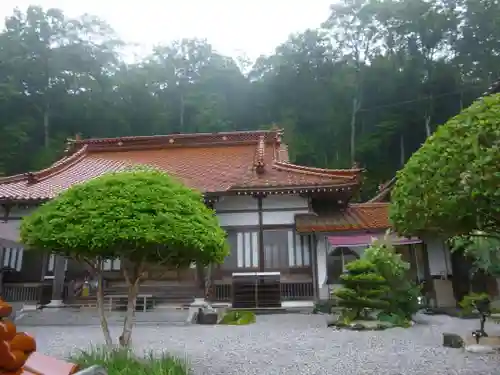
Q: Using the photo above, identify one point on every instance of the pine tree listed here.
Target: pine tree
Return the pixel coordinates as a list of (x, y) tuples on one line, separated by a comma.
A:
[(363, 289)]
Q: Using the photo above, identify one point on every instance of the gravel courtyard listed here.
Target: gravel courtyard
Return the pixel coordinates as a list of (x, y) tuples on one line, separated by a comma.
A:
[(293, 345)]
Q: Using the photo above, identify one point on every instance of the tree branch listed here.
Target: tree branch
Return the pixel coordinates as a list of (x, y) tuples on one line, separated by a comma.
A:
[(485, 235)]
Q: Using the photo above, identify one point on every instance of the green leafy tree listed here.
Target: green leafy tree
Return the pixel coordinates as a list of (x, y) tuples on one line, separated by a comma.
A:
[(363, 289), (450, 186), (403, 293), (141, 216)]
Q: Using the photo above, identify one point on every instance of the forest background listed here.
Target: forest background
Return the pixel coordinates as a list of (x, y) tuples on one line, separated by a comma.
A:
[(369, 85)]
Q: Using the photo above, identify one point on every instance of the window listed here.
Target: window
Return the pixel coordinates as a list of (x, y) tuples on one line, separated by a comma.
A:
[(336, 263), (299, 251), (111, 265), (243, 250), (276, 244), (283, 248), (247, 247), (13, 258)]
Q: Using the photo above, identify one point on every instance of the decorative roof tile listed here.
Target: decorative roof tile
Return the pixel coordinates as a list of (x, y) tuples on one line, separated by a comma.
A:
[(362, 216), (211, 163)]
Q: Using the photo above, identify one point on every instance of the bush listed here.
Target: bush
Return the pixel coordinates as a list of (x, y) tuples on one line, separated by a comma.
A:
[(468, 303), (324, 306), (122, 362), (403, 293), (362, 291), (238, 318)]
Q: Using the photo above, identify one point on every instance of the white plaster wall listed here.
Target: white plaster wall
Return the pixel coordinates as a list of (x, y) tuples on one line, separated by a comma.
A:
[(321, 253), (227, 210), (10, 230), (239, 202), (439, 256), (285, 201), (238, 219), (281, 217)]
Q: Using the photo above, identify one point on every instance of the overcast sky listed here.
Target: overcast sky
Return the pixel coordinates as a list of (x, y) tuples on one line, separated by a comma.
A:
[(232, 26)]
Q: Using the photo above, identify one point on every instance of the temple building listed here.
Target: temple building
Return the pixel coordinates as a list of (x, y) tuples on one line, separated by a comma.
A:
[(280, 217)]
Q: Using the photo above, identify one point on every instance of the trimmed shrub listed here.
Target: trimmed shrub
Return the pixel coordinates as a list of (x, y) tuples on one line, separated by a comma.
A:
[(362, 291), (403, 293)]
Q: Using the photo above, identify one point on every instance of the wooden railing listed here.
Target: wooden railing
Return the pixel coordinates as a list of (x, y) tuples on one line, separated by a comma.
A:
[(29, 292), (289, 291)]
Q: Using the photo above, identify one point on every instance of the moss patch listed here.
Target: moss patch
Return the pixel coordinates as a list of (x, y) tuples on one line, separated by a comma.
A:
[(238, 318)]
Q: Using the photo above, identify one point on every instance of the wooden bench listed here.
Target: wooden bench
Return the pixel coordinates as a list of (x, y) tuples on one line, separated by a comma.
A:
[(18, 355), (115, 297)]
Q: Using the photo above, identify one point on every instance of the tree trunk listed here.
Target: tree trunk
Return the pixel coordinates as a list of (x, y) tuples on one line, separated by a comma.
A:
[(100, 309), (428, 130), (181, 114), (133, 289), (200, 280), (46, 131), (355, 108), (209, 283)]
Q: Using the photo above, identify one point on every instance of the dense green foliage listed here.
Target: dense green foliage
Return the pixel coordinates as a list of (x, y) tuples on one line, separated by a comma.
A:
[(468, 303), (483, 248), (369, 84), (403, 293), (450, 185), (238, 318), (363, 289), (138, 215), (123, 362)]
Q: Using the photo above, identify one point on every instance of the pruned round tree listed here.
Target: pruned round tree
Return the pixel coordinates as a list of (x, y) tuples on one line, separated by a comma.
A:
[(363, 289), (140, 216), (451, 184)]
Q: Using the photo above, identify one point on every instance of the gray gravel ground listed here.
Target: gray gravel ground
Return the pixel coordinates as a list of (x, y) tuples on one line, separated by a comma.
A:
[(294, 344)]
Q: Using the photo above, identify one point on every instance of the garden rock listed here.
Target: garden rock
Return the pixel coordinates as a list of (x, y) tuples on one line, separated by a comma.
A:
[(206, 317), (452, 340), (357, 327)]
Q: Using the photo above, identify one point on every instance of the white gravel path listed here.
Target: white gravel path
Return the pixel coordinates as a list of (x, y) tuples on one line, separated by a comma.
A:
[(294, 345)]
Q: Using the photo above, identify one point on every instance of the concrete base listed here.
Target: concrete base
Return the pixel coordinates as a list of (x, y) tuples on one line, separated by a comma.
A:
[(193, 308), (55, 304), (480, 349), (297, 304)]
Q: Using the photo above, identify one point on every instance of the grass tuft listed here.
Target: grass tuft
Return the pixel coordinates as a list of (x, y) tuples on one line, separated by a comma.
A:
[(123, 362)]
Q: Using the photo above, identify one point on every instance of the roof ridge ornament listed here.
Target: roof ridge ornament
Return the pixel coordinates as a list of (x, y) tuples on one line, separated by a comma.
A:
[(259, 163)]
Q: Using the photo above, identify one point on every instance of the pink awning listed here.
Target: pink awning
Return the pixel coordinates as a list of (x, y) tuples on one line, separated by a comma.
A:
[(357, 240)]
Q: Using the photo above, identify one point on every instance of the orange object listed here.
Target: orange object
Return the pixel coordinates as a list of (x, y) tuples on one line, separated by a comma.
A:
[(44, 365), (18, 354), (23, 342)]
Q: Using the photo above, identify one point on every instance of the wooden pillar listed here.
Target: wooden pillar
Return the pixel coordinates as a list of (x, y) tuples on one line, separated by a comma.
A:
[(262, 262), (314, 265)]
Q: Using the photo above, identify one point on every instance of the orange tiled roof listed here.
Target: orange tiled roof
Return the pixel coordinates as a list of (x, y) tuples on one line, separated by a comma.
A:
[(362, 216), (233, 162)]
